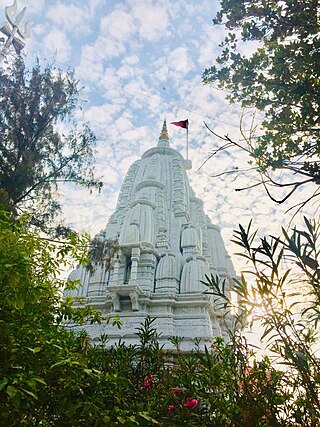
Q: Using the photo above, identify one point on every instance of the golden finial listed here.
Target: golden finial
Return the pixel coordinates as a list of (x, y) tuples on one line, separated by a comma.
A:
[(164, 132)]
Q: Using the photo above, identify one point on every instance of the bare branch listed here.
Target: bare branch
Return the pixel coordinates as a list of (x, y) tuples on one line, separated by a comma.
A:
[(302, 204), (231, 172), (249, 187), (227, 138), (285, 198), (224, 147), (47, 178)]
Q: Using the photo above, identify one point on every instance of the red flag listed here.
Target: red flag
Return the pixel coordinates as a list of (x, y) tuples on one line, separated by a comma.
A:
[(182, 124)]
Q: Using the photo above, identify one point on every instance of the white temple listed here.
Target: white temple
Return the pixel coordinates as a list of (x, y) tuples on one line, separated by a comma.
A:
[(167, 244)]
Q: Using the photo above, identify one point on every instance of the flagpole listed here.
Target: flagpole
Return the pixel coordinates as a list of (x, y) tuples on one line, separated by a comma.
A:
[(187, 141), (185, 125)]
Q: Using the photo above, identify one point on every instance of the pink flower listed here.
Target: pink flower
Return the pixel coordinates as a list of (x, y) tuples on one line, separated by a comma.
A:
[(191, 403), (150, 377), (171, 407), (176, 391), (147, 384)]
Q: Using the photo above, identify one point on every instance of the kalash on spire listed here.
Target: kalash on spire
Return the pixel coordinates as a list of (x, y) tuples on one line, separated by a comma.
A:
[(164, 137), (166, 247)]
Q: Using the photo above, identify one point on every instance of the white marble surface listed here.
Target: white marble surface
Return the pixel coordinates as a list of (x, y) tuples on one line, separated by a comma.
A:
[(167, 246)]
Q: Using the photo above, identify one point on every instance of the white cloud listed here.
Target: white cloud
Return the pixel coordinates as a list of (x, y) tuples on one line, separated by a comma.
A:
[(102, 116), (208, 44), (56, 43), (91, 66), (94, 4), (33, 7), (132, 60), (118, 25), (114, 31), (107, 48), (180, 61), (39, 29), (127, 71), (69, 18), (152, 19)]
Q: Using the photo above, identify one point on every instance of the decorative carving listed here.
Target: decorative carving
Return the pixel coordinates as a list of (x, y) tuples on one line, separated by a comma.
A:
[(116, 301), (114, 276), (135, 257), (167, 245), (134, 301), (127, 185)]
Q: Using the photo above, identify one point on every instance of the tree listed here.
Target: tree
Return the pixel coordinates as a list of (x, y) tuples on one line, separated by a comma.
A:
[(280, 290), (281, 79), (38, 355), (35, 157), (52, 376)]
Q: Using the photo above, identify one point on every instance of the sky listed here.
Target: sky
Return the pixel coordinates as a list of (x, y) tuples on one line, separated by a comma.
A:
[(140, 62)]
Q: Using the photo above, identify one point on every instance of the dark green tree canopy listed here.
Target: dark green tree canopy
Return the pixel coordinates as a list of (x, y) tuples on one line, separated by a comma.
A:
[(34, 156), (281, 78)]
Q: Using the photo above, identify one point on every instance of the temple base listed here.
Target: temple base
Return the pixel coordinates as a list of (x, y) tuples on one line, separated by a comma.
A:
[(191, 317)]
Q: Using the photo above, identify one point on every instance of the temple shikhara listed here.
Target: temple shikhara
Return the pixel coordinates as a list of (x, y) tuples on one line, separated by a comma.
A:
[(167, 244)]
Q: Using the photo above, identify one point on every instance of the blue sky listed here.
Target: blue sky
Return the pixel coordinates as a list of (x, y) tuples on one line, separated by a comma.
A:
[(141, 61)]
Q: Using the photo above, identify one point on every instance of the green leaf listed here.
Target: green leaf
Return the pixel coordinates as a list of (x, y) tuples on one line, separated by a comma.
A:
[(40, 380), (29, 393), (147, 417), (61, 362), (35, 349), (11, 391), (3, 383)]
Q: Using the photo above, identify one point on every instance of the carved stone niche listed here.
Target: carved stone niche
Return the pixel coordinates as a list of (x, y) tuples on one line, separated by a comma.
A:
[(127, 290)]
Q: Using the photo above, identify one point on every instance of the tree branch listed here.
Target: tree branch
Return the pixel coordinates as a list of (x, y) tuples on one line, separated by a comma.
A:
[(45, 179)]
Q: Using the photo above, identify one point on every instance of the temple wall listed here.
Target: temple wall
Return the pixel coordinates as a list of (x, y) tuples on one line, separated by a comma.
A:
[(167, 245)]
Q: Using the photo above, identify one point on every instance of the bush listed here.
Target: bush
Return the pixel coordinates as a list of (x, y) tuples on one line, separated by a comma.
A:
[(52, 377)]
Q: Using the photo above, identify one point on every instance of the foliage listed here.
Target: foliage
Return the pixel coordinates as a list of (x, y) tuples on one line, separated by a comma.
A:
[(281, 78), (38, 357), (51, 376), (101, 253), (284, 299), (35, 156)]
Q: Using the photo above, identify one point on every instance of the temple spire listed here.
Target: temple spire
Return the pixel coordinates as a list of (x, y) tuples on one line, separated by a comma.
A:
[(164, 137), (166, 247)]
